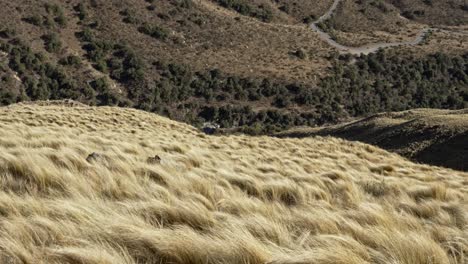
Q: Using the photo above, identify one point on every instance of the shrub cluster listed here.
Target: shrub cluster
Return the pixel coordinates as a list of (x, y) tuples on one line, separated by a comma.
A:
[(54, 16), (246, 8), (154, 31), (52, 42), (118, 60), (42, 80)]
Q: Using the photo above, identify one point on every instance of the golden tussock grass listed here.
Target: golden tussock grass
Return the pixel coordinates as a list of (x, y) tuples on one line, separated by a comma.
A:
[(234, 199)]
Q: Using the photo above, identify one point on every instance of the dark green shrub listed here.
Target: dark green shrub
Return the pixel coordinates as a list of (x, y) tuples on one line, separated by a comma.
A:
[(301, 54), (7, 33), (52, 42), (154, 31), (243, 7), (61, 19), (87, 35), (35, 20), (71, 60), (82, 11), (130, 16)]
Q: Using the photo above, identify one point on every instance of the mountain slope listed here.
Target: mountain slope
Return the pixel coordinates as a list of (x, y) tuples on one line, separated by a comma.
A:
[(438, 137), (222, 61), (158, 191)]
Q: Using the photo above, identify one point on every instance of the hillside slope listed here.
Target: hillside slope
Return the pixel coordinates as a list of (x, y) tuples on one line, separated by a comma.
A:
[(369, 21), (158, 191), (238, 63), (438, 137)]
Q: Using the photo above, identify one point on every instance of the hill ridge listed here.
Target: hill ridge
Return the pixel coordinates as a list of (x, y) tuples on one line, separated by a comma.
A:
[(430, 136)]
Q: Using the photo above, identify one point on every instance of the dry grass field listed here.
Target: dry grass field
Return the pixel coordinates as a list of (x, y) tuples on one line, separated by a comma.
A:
[(206, 199)]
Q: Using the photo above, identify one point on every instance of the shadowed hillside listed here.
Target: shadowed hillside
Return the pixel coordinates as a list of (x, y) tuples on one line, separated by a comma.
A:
[(84, 184), (437, 137)]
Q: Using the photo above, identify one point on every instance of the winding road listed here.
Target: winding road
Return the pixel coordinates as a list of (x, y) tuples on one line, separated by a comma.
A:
[(366, 49)]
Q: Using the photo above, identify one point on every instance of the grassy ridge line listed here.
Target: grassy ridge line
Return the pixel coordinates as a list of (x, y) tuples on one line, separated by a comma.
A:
[(437, 137), (233, 199)]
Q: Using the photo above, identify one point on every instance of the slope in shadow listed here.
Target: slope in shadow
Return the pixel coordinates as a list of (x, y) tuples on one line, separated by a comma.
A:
[(435, 137), (450, 153)]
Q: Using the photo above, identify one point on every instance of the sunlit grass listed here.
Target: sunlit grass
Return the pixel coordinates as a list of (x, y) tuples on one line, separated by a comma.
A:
[(233, 199)]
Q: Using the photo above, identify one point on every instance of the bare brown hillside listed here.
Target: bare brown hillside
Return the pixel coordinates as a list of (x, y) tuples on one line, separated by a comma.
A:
[(437, 137), (360, 22), (205, 35)]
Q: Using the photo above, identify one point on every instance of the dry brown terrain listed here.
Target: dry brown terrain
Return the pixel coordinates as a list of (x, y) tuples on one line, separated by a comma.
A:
[(234, 199), (357, 23), (206, 35), (438, 137)]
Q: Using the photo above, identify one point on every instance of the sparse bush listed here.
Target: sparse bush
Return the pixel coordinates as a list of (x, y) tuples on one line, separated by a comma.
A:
[(52, 42), (71, 60), (301, 54), (82, 11), (105, 95), (87, 35), (129, 16), (285, 8), (7, 33), (408, 14), (309, 19), (35, 20), (184, 3), (52, 8), (243, 7), (154, 31), (61, 19)]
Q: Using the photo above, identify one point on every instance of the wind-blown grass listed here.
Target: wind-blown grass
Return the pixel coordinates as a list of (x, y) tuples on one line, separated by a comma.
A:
[(233, 199)]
